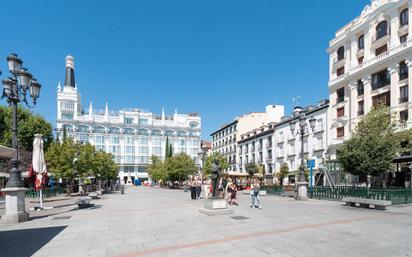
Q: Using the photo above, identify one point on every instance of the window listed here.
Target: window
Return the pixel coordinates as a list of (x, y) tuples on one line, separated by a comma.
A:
[(340, 112), (143, 121), (340, 95), (404, 94), (361, 109), (129, 150), (403, 38), (66, 116), (381, 30), (340, 132), (157, 151), (114, 140), (340, 71), (142, 141), (143, 149), (341, 53), (84, 138), (319, 125), (403, 116), (360, 60), (99, 139), (361, 42), (381, 79), (404, 17), (384, 99), (360, 87), (128, 120), (403, 70), (381, 50)]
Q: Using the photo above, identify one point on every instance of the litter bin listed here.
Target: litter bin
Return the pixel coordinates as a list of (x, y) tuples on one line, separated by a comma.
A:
[(122, 189), (137, 182)]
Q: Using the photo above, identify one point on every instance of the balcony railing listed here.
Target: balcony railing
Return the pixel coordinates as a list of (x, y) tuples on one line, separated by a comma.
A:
[(269, 145), (340, 99), (403, 100), (360, 113), (378, 36), (403, 75), (381, 83)]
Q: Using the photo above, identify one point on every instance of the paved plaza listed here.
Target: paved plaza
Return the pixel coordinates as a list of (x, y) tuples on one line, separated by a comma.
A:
[(162, 222)]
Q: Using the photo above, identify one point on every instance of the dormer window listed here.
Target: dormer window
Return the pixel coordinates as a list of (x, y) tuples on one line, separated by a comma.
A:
[(341, 53), (361, 42), (404, 17), (381, 30)]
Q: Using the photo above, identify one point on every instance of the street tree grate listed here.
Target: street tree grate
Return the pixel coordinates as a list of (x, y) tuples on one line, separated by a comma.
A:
[(62, 218), (240, 218)]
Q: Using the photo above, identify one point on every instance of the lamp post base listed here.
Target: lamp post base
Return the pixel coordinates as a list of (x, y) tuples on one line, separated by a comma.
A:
[(302, 191), (15, 205)]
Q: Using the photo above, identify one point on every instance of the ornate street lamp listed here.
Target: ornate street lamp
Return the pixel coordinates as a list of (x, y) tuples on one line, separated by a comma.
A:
[(302, 130), (15, 90)]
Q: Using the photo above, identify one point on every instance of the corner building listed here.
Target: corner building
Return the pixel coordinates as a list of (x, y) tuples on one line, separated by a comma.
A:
[(370, 61), (132, 136)]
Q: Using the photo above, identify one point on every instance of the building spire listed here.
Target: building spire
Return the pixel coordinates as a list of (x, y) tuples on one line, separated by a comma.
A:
[(69, 81)]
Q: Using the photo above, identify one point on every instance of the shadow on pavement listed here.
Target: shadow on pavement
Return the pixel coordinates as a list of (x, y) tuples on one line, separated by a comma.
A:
[(22, 243)]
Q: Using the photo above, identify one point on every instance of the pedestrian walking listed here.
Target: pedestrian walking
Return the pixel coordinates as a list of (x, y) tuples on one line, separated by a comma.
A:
[(255, 195), (233, 194), (198, 188), (192, 185)]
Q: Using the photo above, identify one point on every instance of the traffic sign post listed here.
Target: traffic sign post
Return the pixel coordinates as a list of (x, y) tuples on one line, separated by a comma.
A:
[(311, 165)]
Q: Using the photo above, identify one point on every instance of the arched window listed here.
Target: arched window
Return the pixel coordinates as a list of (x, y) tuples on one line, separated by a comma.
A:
[(404, 17), (381, 29), (341, 53), (361, 42)]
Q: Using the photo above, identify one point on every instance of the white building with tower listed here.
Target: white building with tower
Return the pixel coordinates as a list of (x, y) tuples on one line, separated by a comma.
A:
[(132, 136)]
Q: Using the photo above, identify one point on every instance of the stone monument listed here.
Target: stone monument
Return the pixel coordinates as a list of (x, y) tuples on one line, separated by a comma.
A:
[(216, 205)]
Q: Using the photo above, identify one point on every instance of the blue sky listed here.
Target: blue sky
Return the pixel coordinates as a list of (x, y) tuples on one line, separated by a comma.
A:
[(220, 58)]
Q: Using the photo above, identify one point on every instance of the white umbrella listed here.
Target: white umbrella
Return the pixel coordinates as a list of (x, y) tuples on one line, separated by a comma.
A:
[(39, 164)]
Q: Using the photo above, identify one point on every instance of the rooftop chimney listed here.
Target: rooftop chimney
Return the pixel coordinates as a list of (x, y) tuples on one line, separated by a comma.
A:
[(69, 81)]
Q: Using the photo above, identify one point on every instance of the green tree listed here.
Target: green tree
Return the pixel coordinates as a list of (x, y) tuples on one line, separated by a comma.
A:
[(221, 160), (251, 168), (179, 167), (157, 169), (372, 146), (283, 172), (69, 160), (104, 167), (28, 125)]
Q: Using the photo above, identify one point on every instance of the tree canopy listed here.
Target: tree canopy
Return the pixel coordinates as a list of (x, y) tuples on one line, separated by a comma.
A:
[(28, 125), (251, 168), (283, 172), (71, 159), (372, 146), (175, 168)]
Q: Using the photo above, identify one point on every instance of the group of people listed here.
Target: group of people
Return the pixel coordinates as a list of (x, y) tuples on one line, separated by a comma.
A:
[(195, 185), (227, 189)]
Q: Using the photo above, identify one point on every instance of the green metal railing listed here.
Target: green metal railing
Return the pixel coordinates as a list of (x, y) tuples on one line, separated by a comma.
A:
[(273, 190), (396, 196), (47, 192)]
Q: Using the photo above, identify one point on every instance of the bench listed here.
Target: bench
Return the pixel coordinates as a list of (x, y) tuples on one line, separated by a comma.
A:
[(84, 202), (367, 203)]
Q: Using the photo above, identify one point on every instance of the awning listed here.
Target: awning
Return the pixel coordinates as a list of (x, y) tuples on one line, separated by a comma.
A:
[(7, 152), (4, 174), (403, 159)]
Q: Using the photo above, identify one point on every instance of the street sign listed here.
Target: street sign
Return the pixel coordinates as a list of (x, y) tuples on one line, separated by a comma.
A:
[(311, 163)]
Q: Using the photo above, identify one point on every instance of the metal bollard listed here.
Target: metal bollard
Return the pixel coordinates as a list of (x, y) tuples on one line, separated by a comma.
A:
[(122, 189)]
